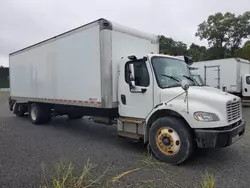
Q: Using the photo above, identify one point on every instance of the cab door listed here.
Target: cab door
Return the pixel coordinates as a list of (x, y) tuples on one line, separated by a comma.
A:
[(137, 100), (246, 85)]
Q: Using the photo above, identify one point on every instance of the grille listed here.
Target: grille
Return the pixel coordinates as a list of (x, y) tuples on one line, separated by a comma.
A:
[(233, 111)]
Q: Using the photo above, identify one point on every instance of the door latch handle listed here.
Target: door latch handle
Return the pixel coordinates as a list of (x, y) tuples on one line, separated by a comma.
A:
[(245, 89), (123, 99)]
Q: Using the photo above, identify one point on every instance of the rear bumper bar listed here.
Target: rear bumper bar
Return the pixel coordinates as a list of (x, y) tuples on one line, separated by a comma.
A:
[(11, 103)]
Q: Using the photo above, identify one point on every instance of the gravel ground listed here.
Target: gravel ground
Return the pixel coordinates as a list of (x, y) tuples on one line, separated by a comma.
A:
[(25, 147)]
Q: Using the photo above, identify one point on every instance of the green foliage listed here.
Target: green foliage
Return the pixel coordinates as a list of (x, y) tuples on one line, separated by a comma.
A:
[(225, 30), (172, 47), (244, 52), (66, 177), (4, 77), (197, 52), (224, 33), (208, 181)]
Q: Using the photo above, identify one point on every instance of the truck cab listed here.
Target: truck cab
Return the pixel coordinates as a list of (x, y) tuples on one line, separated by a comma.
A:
[(160, 102), (245, 85)]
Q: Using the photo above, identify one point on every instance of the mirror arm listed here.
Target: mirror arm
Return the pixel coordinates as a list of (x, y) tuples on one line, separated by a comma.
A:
[(131, 86)]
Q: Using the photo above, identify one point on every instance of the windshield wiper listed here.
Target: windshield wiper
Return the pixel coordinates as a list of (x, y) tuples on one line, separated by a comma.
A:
[(191, 79), (172, 77)]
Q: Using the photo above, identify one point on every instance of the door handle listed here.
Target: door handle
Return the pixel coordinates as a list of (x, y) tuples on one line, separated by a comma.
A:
[(245, 89), (123, 99)]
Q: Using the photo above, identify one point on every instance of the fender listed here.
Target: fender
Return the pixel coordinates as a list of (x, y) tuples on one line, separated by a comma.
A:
[(159, 111)]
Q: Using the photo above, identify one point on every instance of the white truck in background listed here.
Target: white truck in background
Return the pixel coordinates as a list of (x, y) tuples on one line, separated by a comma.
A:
[(196, 76), (231, 75), (115, 75)]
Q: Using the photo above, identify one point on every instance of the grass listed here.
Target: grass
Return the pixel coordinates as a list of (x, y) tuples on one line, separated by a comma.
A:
[(208, 181), (147, 184), (150, 160), (66, 177), (247, 131), (116, 178), (3, 127)]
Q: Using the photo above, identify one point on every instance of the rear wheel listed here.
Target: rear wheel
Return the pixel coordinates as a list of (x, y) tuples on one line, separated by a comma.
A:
[(39, 114), (170, 140)]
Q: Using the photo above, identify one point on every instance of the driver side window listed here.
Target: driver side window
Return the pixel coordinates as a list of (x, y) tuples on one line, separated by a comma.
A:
[(248, 80), (141, 73)]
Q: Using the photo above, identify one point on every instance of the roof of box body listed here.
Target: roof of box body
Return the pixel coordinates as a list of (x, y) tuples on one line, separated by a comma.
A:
[(104, 24), (219, 60)]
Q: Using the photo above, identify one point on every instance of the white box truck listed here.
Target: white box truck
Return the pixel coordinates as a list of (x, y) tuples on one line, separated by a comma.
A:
[(114, 74), (196, 76), (231, 75)]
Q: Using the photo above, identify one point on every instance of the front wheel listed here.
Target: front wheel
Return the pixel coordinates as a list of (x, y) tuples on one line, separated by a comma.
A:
[(170, 140)]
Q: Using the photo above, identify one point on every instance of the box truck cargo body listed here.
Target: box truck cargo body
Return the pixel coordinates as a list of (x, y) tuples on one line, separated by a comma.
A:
[(115, 75), (83, 60), (229, 75)]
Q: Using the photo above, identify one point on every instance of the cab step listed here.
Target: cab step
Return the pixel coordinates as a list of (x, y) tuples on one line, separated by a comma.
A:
[(132, 120), (131, 127)]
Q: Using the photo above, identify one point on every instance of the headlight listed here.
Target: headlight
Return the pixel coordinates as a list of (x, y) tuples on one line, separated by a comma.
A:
[(206, 116)]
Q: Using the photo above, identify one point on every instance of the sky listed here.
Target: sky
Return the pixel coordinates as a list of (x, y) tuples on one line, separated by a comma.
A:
[(25, 22)]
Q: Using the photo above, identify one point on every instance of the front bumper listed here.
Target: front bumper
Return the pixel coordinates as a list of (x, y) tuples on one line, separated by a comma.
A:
[(220, 137)]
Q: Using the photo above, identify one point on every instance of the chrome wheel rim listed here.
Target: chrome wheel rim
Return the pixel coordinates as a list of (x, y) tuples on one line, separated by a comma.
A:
[(33, 114)]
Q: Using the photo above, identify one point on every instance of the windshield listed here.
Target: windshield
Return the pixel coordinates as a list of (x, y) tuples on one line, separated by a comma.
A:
[(198, 79), (170, 72)]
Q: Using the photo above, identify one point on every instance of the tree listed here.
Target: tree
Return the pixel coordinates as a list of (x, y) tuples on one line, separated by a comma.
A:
[(172, 47), (196, 52), (244, 52), (225, 31)]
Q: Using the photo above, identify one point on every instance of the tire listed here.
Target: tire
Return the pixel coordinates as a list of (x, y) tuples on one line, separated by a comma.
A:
[(170, 140), (75, 116), (39, 114)]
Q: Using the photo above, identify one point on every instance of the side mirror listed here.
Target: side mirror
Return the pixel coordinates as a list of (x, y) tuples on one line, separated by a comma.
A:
[(184, 85), (188, 60), (131, 75), (224, 88)]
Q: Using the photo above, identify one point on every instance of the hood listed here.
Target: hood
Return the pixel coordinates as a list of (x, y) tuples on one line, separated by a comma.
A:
[(204, 94), (211, 93), (206, 99)]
